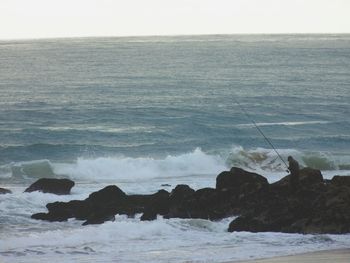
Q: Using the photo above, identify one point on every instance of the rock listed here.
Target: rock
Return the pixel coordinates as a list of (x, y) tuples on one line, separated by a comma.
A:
[(244, 223), (340, 181), (179, 200), (109, 194), (157, 203), (149, 215), (180, 193), (307, 178), (206, 203), (100, 217), (316, 207), (104, 204), (53, 186), (240, 180), (5, 191)]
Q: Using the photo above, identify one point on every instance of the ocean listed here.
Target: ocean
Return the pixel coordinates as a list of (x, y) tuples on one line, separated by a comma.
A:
[(142, 112)]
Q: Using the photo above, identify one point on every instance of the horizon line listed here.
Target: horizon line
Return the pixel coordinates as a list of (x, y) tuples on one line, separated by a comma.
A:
[(170, 35)]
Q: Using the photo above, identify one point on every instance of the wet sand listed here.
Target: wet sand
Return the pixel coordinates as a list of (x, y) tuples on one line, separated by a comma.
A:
[(333, 256)]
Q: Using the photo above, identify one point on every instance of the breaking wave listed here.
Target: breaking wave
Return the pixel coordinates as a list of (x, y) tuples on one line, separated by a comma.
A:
[(197, 162), (267, 159), (126, 168)]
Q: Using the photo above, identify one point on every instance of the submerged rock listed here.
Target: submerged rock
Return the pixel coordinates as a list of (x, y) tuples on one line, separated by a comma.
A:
[(53, 186), (5, 191)]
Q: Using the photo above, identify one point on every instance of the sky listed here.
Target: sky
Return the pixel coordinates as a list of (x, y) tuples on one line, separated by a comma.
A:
[(21, 19)]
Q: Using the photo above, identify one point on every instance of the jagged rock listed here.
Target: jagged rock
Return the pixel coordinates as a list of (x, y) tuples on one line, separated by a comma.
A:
[(53, 186), (315, 206), (104, 204), (5, 191)]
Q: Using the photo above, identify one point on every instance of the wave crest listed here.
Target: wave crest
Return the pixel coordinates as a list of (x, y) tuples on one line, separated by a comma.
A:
[(126, 168), (197, 162), (261, 159)]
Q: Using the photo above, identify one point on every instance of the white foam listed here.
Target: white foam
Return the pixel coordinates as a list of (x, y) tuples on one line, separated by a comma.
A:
[(131, 169), (291, 123), (174, 240)]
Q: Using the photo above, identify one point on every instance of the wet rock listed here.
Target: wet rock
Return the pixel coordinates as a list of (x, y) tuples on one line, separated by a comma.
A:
[(111, 193), (180, 193), (316, 207), (153, 205), (240, 180), (307, 178), (5, 191), (100, 217), (206, 203), (149, 215), (340, 181), (104, 204), (179, 202), (53, 186)]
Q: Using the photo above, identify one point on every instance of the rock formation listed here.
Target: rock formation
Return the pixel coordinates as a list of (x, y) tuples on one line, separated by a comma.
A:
[(4, 191), (317, 206), (50, 185)]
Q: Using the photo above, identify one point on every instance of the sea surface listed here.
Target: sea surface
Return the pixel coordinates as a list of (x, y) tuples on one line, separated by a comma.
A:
[(142, 112)]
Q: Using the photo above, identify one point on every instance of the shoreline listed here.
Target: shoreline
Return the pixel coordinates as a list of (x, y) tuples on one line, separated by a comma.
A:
[(334, 256)]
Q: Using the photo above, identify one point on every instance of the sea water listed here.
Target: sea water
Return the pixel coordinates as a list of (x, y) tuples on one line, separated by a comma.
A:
[(151, 111)]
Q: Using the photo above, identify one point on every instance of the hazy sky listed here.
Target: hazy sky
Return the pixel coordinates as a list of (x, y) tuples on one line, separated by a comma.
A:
[(67, 18)]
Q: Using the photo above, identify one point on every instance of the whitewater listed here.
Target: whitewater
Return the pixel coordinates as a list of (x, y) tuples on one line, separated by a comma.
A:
[(153, 112)]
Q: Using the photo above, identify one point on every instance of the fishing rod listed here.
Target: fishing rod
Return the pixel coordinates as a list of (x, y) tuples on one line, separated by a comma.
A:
[(261, 132)]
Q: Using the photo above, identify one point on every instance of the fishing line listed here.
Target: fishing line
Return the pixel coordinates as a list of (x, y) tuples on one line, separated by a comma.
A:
[(260, 131)]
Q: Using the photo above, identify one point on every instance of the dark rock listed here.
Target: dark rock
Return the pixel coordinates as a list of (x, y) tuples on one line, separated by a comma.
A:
[(315, 207), (111, 193), (160, 202), (307, 178), (340, 181), (244, 223), (53, 186), (100, 217), (5, 191), (179, 200), (240, 180), (157, 205), (206, 203), (41, 216), (104, 204), (149, 215), (180, 193)]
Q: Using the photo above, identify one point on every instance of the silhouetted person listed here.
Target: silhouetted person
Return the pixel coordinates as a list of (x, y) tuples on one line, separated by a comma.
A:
[(294, 173)]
